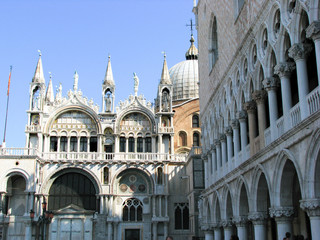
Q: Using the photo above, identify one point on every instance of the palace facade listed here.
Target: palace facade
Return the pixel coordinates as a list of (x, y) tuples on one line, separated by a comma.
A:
[(259, 65)]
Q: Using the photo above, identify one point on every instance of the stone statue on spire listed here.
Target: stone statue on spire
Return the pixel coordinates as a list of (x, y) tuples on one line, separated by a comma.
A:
[(136, 83), (76, 79)]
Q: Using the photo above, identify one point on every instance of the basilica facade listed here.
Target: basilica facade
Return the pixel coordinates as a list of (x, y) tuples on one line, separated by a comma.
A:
[(259, 64), (116, 172)]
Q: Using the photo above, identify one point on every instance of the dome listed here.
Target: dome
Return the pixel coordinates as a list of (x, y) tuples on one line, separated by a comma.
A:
[(185, 78)]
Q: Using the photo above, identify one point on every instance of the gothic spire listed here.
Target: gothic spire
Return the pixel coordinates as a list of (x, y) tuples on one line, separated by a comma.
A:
[(165, 77), (108, 78), (38, 75), (50, 94)]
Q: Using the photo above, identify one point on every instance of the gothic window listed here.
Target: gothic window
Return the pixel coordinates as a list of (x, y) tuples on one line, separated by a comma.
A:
[(122, 144), (159, 175), (63, 144), (245, 70), (196, 139), (148, 144), (131, 144), (83, 144), (264, 42), (105, 175), (276, 24), (53, 144), (183, 139), (73, 144), (254, 55), (195, 121), (72, 188), (132, 210), (93, 144), (239, 6), (139, 144), (181, 216), (292, 6), (213, 48)]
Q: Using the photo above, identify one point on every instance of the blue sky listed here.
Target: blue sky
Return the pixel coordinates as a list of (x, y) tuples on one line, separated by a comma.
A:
[(79, 35)]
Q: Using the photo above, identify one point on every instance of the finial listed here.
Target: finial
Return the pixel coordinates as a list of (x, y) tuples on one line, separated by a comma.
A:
[(109, 57), (164, 54), (191, 26), (39, 53), (75, 84), (50, 75)]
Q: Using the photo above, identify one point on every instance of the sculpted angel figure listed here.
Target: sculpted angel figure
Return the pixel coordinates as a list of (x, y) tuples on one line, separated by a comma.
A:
[(136, 83)]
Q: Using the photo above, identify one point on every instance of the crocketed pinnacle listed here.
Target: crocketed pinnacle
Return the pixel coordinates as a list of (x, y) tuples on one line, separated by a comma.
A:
[(49, 93), (108, 79), (38, 75), (165, 76)]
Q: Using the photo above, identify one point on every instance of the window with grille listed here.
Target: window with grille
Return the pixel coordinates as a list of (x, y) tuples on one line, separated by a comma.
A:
[(93, 144), (73, 144), (132, 210), (196, 139), (122, 144), (148, 144), (53, 144), (181, 216), (83, 144), (139, 144), (195, 121), (131, 144), (63, 144)]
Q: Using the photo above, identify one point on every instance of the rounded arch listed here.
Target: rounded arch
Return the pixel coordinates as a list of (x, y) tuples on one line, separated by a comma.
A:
[(312, 173), (47, 183), (16, 171), (63, 110), (283, 158)]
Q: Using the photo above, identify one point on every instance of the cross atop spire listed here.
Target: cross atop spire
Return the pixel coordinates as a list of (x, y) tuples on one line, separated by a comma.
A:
[(191, 26)]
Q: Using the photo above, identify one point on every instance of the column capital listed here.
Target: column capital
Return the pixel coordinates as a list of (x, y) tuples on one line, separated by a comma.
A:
[(240, 221), (250, 106), (313, 30), (258, 217), (216, 142), (259, 96), (228, 131), (242, 115), (299, 51), (226, 223), (311, 206), (280, 212), (235, 124), (204, 156), (222, 137), (213, 147), (284, 69), (271, 83)]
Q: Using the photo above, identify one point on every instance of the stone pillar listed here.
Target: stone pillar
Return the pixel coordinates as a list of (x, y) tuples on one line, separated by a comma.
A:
[(166, 206), (154, 230), (283, 217), (271, 84), (236, 139), (284, 70), (260, 225), (242, 116), (228, 132), (109, 230), (172, 143), (153, 141), (241, 223), (217, 232), (208, 235), (218, 152), (213, 158), (298, 52), (28, 229), (115, 231), (223, 148), (206, 172), (1, 204), (154, 206), (165, 229), (312, 207), (251, 107), (313, 31), (160, 143), (259, 97), (116, 144), (227, 228)]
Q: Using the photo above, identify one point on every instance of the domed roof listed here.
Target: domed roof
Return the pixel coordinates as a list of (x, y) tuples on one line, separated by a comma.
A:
[(185, 77)]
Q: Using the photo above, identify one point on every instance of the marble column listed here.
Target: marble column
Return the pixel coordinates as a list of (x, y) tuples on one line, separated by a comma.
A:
[(227, 228), (218, 154), (284, 70), (206, 172), (1, 203), (313, 31), (28, 229), (115, 230), (312, 207), (172, 143), (241, 224), (214, 158), (242, 116), (283, 217), (298, 52), (154, 230), (109, 230), (228, 132), (259, 222), (116, 144), (208, 235), (160, 143), (223, 149), (271, 84), (236, 139), (251, 107), (165, 229), (217, 232), (259, 97)]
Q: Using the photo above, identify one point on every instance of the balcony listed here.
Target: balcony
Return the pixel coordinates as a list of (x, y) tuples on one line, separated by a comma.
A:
[(93, 157)]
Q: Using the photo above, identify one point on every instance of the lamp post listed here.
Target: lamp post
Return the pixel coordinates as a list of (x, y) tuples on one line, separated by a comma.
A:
[(43, 220)]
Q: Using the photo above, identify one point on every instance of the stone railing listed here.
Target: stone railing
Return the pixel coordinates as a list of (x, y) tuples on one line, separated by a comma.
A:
[(313, 100), (18, 152), (280, 126), (267, 136), (166, 130), (195, 151), (33, 128), (295, 115)]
